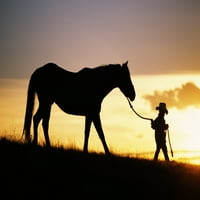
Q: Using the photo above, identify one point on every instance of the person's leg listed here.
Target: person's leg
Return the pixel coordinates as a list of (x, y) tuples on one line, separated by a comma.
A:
[(157, 140), (156, 153), (164, 149)]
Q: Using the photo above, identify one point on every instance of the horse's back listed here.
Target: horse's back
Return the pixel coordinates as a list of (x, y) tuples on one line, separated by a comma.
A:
[(51, 69), (51, 74), (53, 79)]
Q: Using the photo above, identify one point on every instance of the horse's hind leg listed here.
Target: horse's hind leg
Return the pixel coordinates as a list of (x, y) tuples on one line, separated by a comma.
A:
[(45, 124), (36, 120), (88, 122), (43, 112)]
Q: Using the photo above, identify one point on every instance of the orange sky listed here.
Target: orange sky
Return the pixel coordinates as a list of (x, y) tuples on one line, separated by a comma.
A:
[(125, 132)]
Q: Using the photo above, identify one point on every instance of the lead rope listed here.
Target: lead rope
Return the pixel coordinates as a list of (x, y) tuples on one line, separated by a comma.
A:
[(137, 113), (150, 120), (170, 143)]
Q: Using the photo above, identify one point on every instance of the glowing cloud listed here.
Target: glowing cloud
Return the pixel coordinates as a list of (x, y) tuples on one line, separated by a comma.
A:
[(181, 97)]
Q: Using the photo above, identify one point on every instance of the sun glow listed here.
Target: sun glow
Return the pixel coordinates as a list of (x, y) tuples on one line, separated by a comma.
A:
[(188, 126)]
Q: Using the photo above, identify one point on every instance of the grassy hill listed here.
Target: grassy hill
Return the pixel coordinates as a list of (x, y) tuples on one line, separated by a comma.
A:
[(36, 172)]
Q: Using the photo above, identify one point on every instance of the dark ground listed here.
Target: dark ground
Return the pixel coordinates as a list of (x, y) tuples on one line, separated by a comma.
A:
[(30, 172)]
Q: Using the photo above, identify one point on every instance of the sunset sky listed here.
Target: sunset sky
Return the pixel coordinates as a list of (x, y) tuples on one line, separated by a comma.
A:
[(160, 39), (156, 36)]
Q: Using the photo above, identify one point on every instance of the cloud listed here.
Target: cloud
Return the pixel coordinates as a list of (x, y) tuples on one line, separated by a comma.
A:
[(181, 97)]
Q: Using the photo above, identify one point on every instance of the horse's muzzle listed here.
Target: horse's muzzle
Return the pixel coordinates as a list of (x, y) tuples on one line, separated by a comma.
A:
[(132, 97)]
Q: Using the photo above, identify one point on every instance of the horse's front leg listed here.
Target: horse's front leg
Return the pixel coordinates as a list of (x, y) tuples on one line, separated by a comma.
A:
[(88, 122), (98, 126)]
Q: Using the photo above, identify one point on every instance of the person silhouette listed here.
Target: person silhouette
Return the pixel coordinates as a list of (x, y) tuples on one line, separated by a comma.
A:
[(160, 126)]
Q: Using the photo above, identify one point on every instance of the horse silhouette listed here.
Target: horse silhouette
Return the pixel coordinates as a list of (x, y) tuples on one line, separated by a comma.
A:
[(77, 93)]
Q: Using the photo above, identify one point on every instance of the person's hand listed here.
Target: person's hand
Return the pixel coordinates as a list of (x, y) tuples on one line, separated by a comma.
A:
[(151, 123)]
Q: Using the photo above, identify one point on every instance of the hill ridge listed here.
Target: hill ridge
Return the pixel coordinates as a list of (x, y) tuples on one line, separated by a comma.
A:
[(53, 172)]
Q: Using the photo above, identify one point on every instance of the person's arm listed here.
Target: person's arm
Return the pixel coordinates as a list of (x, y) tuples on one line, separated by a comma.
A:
[(166, 126), (153, 124)]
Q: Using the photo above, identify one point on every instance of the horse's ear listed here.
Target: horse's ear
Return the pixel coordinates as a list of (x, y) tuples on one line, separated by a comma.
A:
[(125, 64)]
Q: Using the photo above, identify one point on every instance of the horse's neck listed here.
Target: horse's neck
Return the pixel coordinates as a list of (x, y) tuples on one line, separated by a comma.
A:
[(100, 80), (108, 80)]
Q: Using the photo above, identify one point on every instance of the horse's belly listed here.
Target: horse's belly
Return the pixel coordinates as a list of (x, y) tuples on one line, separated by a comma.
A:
[(79, 109)]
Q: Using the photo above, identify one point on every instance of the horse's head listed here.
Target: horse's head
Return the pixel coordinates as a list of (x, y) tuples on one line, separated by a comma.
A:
[(125, 83)]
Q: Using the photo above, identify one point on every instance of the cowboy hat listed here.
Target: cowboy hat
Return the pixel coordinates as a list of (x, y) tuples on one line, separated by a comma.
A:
[(162, 106)]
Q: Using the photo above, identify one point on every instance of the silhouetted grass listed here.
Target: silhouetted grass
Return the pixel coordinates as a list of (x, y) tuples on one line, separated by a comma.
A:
[(36, 172)]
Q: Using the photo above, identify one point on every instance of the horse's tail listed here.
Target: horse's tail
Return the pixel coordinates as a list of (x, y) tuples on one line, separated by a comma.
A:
[(29, 110)]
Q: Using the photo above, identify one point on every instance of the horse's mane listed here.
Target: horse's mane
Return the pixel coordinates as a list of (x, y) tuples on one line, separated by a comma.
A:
[(109, 66), (101, 67)]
